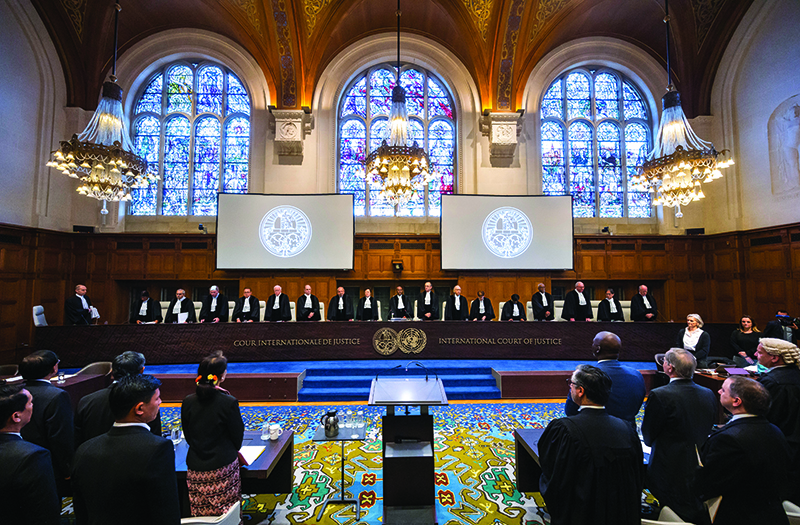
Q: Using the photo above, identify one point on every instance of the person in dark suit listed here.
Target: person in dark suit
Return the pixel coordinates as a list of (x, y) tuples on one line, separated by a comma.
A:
[(28, 494), (146, 310), (481, 309), (400, 306), (783, 384), (748, 454), (78, 308), (609, 308), (51, 425), (277, 309), (214, 430), (577, 307), (428, 304), (247, 308), (94, 416), (180, 305), (542, 305), (643, 306), (627, 384), (677, 420), (783, 327), (127, 475), (457, 308), (694, 339), (215, 307), (592, 461), (367, 307), (513, 310), (308, 306), (340, 307)]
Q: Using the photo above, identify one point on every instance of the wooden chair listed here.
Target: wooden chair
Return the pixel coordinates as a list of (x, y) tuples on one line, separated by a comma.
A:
[(8, 370)]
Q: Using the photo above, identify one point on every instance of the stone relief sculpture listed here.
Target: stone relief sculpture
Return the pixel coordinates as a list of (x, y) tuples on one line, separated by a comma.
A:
[(784, 145)]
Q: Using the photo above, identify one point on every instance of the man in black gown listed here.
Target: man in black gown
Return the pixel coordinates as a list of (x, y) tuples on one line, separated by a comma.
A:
[(180, 305), (278, 308), (428, 304), (577, 306), (457, 308), (609, 308), (643, 306), (247, 308), (367, 307), (481, 308), (340, 307), (215, 307), (78, 308), (399, 306), (146, 310), (513, 310), (308, 306), (542, 305)]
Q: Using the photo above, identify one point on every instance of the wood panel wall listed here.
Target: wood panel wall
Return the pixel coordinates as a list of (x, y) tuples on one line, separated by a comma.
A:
[(720, 276)]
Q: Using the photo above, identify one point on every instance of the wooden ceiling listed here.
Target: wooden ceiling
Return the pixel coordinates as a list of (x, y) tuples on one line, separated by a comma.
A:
[(498, 41)]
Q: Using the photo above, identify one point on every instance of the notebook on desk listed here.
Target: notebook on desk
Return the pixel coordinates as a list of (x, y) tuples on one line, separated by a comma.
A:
[(249, 453)]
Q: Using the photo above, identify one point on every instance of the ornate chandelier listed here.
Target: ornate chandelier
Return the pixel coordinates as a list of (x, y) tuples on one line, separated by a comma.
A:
[(680, 162), (396, 169), (102, 157)]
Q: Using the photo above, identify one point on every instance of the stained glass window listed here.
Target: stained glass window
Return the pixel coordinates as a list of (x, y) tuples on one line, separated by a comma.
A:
[(363, 125), (198, 142), (594, 135)]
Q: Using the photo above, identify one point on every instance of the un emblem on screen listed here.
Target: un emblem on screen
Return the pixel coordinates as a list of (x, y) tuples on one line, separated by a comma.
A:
[(507, 232), (285, 231)]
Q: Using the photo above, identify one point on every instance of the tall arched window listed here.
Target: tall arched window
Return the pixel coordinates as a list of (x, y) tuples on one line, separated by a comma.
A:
[(595, 132), (192, 124), (364, 122)]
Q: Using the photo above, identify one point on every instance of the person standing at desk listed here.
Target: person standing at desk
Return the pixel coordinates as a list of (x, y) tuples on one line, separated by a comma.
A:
[(399, 306), (513, 310), (278, 308), (694, 339), (457, 308), (340, 308), (542, 305), (180, 305), (744, 341), (576, 306), (247, 308), (609, 308), (215, 307), (308, 306), (78, 308), (643, 306), (146, 310), (367, 307), (481, 309), (428, 304)]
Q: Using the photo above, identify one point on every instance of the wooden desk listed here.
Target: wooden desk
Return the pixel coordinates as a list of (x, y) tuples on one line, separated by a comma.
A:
[(526, 458), (78, 386)]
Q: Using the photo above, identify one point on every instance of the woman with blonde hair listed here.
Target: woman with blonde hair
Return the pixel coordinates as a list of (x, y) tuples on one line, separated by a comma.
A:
[(694, 339)]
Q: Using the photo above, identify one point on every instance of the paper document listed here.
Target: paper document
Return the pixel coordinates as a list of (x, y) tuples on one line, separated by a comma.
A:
[(250, 453), (95, 313), (183, 317)]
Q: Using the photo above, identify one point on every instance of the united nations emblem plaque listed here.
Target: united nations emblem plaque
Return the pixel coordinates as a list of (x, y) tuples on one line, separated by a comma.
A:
[(412, 340), (385, 341)]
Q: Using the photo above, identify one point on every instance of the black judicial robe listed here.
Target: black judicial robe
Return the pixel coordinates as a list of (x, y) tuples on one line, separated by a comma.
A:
[(302, 311), (539, 311), (28, 494), (573, 310), (361, 315), (638, 310), (74, 313), (255, 309), (592, 470), (475, 310), (434, 307), (397, 313), (508, 310), (153, 312), (333, 309), (783, 384), (187, 306), (604, 311), (221, 313), (450, 312), (284, 310)]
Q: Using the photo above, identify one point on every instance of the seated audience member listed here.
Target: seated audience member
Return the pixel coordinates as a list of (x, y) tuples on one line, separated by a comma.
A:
[(744, 341), (308, 306), (783, 384), (78, 308), (127, 475), (694, 339), (247, 309), (400, 306), (783, 327), (214, 430), (457, 308), (677, 420), (215, 307), (745, 461), (542, 305), (592, 461), (428, 304), (627, 392), (609, 308), (643, 306), (481, 309), (146, 310), (278, 308), (367, 307), (180, 305), (28, 494), (513, 310), (94, 416), (51, 424), (576, 306), (340, 307)]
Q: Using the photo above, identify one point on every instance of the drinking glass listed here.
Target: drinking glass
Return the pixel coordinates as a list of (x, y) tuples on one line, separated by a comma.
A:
[(348, 419), (61, 379), (360, 419), (175, 436), (265, 432)]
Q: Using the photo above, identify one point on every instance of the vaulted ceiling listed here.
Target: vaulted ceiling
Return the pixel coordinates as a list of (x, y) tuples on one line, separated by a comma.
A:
[(498, 41)]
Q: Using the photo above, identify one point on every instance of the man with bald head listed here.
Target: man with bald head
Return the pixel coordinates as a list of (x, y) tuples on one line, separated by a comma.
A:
[(277, 308), (308, 306), (340, 307), (428, 304), (643, 306), (542, 305), (678, 418), (180, 305), (577, 306), (457, 308), (627, 384)]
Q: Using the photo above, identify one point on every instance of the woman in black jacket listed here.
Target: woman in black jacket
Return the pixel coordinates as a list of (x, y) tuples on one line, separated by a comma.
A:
[(694, 339)]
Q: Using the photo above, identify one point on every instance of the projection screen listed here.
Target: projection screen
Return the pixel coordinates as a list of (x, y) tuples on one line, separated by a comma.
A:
[(487, 232), (279, 232)]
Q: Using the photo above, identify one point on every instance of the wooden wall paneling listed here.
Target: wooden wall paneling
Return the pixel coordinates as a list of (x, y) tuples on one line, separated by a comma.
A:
[(193, 264), (161, 264)]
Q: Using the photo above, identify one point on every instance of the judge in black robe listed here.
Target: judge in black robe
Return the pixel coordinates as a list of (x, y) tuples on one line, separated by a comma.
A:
[(475, 313), (508, 310), (451, 313), (428, 304), (214, 311), (604, 312), (152, 313), (641, 311), (591, 462), (367, 312), (186, 307), (340, 307), (253, 315), (573, 309), (75, 312), (398, 311), (542, 311), (306, 311), (283, 312)]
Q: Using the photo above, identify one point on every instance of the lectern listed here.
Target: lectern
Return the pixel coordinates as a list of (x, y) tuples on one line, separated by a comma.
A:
[(408, 462)]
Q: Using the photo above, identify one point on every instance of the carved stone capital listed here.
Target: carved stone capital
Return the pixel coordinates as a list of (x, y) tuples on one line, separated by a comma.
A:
[(290, 127), (503, 130)]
